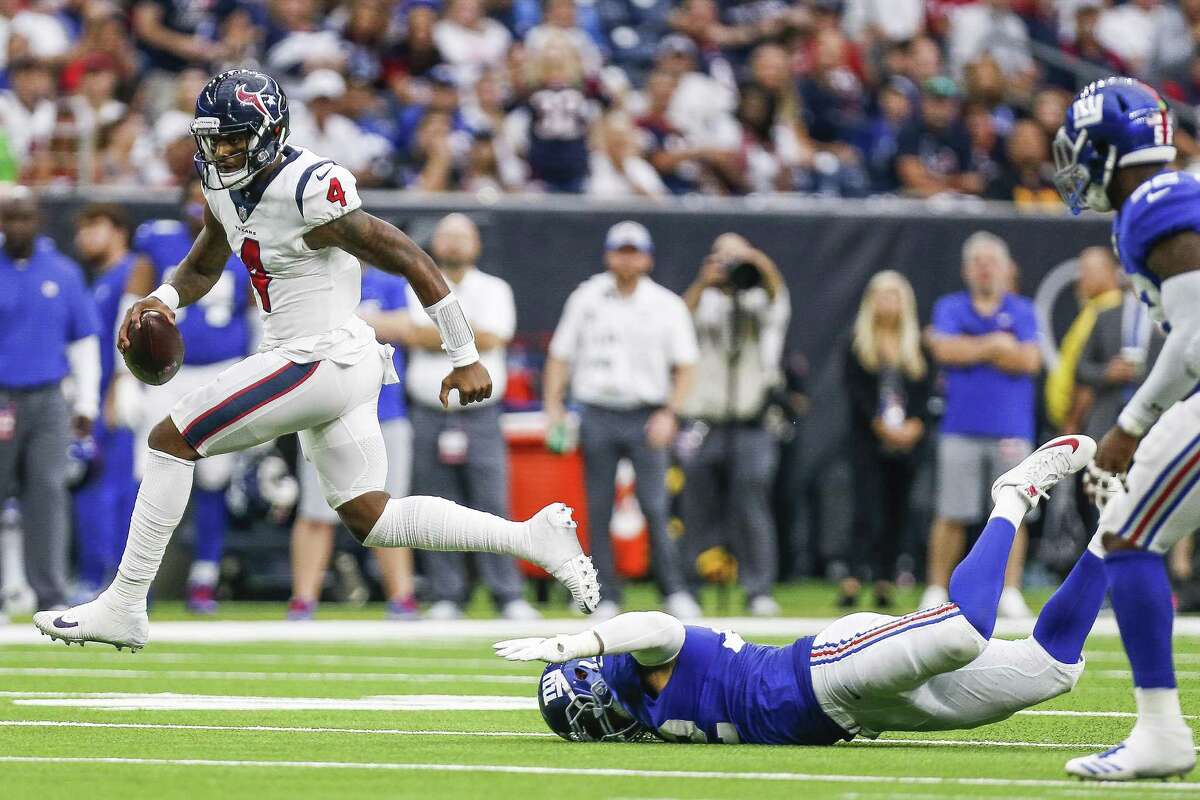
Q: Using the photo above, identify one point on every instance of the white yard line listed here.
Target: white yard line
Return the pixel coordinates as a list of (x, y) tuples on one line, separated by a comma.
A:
[(227, 631), (1063, 713), (190, 674), (595, 772), (167, 701), (152, 726), (524, 734), (41, 655)]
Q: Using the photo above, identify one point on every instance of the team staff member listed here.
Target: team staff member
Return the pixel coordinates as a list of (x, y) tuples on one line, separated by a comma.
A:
[(104, 502), (628, 348), (985, 341), (48, 329), (384, 305), (217, 332), (459, 452)]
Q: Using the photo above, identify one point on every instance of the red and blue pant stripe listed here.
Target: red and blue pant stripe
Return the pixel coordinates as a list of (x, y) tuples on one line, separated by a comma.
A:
[(246, 401), (830, 652)]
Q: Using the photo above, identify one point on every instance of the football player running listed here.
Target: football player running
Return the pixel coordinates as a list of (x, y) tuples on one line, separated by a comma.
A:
[(295, 220), (645, 674), (1112, 154)]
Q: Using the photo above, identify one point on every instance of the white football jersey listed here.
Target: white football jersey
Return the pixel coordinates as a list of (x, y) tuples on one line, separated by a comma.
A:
[(308, 297)]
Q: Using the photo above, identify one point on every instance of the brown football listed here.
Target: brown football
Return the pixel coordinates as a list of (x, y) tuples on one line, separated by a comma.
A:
[(155, 350)]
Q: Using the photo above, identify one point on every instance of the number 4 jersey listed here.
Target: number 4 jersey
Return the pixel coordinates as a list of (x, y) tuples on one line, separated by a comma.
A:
[(723, 689), (308, 297)]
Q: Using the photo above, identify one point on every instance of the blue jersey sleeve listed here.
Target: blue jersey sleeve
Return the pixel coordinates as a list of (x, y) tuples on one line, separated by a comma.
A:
[(85, 318), (1166, 204), (1025, 326), (946, 318)]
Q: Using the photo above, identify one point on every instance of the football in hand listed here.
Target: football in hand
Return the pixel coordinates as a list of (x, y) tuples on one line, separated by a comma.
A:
[(155, 350)]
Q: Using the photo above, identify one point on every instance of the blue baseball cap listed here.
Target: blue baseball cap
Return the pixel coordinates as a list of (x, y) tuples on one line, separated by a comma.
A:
[(629, 234)]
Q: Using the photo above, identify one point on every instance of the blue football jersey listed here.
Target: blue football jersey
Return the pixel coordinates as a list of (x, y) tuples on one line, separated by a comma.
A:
[(215, 328), (726, 690), (1163, 205), (107, 290), (382, 291)]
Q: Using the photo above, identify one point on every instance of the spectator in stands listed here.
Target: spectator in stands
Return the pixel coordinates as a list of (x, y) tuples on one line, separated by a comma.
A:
[(470, 41), (987, 149), (103, 35), (171, 37), (1026, 176), (559, 17), (1088, 48), (48, 330), (1129, 30), (318, 125), (553, 123), (991, 27), (872, 21), (459, 453), (617, 168), (417, 53), (627, 347), (433, 158), (933, 154), (985, 340), (95, 104), (1175, 37), (1050, 110), (770, 151), (384, 306), (888, 382), (27, 112), (702, 106), (834, 100), (740, 307), (985, 86), (680, 166), (924, 60), (881, 138)]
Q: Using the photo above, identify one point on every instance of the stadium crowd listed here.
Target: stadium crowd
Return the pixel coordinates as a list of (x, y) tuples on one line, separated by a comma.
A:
[(613, 98)]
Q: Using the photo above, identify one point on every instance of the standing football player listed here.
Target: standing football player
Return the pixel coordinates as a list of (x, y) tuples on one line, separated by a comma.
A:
[(217, 332), (1112, 154), (295, 220)]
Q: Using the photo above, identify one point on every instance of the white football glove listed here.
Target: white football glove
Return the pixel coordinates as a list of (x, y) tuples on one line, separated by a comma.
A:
[(1102, 486), (552, 650)]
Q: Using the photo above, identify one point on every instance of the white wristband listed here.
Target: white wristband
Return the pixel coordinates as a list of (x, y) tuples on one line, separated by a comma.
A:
[(458, 340), (168, 295)]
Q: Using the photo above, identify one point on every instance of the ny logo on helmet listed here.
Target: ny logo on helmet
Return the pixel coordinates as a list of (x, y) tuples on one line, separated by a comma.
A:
[(1088, 110), (256, 99), (554, 686)]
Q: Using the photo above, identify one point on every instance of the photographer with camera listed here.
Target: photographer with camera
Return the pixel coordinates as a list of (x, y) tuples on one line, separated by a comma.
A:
[(740, 306)]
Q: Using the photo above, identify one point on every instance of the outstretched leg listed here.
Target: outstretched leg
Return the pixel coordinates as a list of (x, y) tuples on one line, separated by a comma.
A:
[(862, 664)]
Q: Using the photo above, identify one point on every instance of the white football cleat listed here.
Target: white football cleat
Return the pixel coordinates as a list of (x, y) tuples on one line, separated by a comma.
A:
[(101, 620), (1147, 753), (555, 548), (1046, 466)]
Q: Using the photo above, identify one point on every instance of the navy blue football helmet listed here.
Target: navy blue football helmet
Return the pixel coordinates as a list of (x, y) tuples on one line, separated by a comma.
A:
[(579, 706), (239, 102), (1112, 123)]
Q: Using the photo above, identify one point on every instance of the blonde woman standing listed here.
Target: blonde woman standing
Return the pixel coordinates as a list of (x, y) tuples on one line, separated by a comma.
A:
[(887, 379)]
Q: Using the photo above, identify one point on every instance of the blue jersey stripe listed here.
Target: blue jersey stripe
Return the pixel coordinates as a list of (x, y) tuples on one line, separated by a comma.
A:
[(304, 182)]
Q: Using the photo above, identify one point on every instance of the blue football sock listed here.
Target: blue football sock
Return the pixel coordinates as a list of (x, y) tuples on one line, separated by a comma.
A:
[(979, 578), (1141, 600), (1069, 614), (210, 520)]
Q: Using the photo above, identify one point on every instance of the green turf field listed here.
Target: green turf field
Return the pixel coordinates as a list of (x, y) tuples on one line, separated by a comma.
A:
[(444, 719)]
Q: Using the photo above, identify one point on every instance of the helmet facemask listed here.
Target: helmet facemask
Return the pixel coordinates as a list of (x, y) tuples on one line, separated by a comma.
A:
[(253, 158), (1078, 184)]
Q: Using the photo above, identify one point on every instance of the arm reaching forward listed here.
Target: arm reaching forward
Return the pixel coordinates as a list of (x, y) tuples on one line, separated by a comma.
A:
[(651, 637), (193, 278), (382, 245)]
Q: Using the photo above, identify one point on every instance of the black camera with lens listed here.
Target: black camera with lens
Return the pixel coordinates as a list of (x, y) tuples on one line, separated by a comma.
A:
[(742, 276)]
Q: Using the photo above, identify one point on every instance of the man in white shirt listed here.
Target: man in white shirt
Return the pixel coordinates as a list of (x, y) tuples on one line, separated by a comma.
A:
[(459, 452), (27, 110), (628, 348)]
